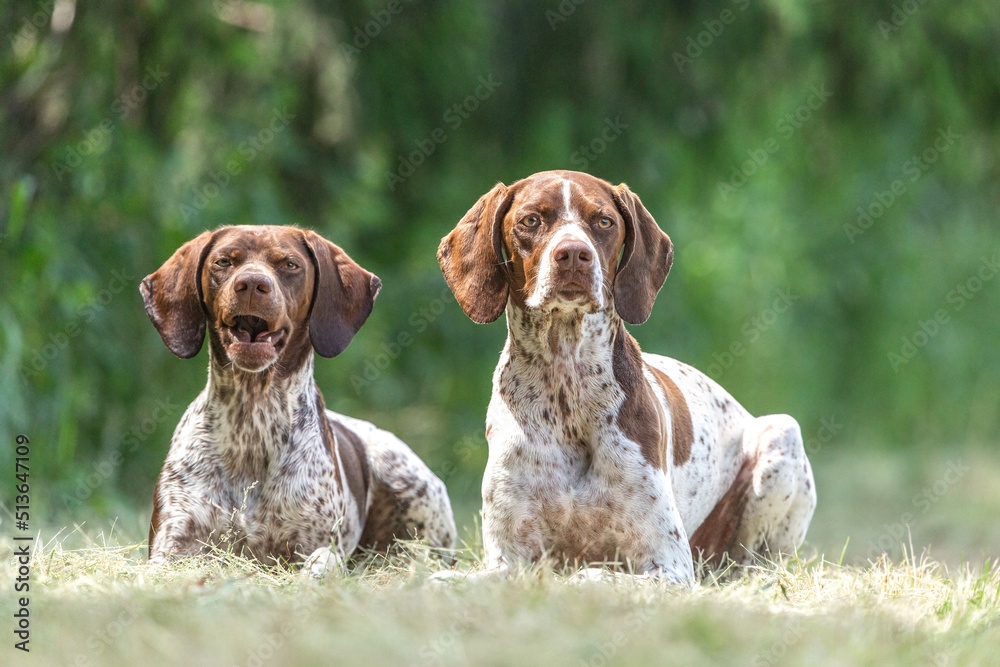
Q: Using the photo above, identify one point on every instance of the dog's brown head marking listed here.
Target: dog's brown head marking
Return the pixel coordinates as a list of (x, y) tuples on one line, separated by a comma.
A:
[(266, 293), (557, 239)]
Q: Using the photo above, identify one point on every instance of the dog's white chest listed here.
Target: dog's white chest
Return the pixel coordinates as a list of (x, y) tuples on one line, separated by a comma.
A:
[(575, 499)]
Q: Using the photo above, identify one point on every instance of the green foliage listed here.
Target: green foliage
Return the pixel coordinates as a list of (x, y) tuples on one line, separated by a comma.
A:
[(131, 128)]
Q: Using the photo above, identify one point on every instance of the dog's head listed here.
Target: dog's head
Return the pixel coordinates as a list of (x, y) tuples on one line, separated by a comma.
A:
[(557, 240), (265, 293)]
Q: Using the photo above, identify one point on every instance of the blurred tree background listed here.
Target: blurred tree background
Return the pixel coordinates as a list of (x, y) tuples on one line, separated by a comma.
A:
[(827, 171)]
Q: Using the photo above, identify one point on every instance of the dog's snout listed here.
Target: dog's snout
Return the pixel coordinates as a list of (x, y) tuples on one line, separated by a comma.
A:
[(573, 255), (253, 283)]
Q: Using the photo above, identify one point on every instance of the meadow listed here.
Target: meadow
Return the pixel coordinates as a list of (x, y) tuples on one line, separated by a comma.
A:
[(931, 597)]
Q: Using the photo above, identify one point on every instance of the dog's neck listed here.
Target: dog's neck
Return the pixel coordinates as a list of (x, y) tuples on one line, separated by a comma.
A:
[(574, 357), (562, 337), (256, 414), (257, 388)]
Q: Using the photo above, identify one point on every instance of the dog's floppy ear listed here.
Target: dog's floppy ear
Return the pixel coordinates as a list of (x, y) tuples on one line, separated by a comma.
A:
[(173, 300), (471, 257), (645, 262), (343, 296)]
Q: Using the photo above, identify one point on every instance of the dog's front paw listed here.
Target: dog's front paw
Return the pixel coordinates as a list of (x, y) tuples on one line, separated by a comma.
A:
[(594, 574), (673, 575), (444, 577), (323, 563)]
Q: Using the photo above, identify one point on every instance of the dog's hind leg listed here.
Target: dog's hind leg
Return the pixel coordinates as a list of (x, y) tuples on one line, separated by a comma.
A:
[(406, 500), (782, 493), (769, 505)]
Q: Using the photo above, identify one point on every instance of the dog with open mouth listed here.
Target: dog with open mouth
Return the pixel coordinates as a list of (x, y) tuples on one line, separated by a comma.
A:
[(257, 462)]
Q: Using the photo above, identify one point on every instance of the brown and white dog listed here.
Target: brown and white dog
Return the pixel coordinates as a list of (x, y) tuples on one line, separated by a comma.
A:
[(257, 460), (598, 452)]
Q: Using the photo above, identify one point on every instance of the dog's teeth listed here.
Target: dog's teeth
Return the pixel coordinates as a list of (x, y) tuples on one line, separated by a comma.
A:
[(268, 339)]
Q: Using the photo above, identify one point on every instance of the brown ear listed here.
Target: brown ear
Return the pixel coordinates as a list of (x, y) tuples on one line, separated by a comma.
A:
[(173, 300), (644, 264), (471, 258), (343, 296)]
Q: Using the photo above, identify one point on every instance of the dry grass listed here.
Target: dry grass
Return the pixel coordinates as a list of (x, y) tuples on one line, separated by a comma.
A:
[(102, 605), (94, 601)]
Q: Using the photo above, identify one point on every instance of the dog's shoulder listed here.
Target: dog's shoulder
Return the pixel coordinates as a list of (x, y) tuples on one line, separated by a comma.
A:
[(196, 430), (699, 391)]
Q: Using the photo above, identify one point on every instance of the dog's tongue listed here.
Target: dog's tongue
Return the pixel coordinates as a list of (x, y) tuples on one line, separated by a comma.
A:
[(251, 329)]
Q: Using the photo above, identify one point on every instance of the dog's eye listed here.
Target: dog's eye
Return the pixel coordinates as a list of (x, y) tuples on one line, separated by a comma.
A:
[(605, 223), (291, 266), (222, 263), (530, 221)]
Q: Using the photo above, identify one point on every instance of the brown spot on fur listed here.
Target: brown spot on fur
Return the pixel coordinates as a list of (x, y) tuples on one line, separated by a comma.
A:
[(715, 536), (640, 417), (680, 417), (154, 522), (563, 403), (352, 456), (386, 518)]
